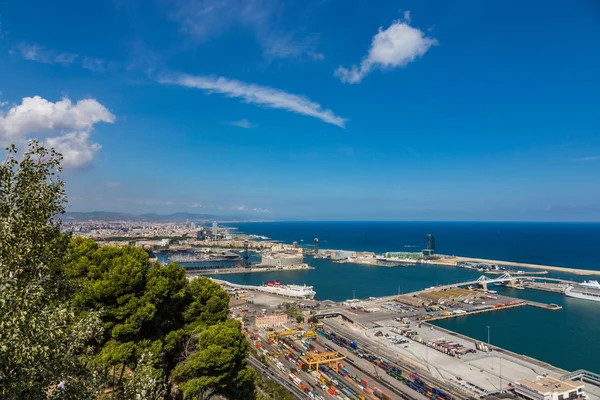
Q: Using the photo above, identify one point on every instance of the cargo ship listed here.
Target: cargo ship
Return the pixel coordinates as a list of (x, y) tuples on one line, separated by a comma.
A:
[(588, 290), (302, 291)]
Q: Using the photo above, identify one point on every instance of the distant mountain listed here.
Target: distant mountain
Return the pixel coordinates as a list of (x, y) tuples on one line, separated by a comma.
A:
[(151, 217)]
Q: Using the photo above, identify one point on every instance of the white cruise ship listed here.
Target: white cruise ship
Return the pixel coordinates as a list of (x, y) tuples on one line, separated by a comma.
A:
[(588, 290), (302, 291)]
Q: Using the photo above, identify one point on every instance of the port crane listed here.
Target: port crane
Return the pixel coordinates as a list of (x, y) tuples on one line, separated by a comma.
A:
[(315, 359)]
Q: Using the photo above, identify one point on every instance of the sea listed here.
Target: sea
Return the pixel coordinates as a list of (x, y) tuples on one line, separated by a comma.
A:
[(568, 338)]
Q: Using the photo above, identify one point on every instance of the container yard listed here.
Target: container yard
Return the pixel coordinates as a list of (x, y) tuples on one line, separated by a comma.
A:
[(385, 348)]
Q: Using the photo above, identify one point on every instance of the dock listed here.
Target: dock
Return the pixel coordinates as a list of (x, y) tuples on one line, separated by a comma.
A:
[(546, 287), (242, 270)]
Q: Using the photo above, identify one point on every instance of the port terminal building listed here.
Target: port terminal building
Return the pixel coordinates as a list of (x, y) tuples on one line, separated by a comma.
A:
[(282, 258), (549, 387)]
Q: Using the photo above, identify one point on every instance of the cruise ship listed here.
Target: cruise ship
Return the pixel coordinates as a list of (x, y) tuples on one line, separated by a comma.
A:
[(588, 290), (302, 291)]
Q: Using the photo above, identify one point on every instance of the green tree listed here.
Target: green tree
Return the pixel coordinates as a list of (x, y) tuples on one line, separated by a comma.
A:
[(157, 322), (41, 339), (141, 308), (218, 365)]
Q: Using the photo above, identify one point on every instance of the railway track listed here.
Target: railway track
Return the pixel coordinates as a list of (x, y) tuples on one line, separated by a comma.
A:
[(456, 392)]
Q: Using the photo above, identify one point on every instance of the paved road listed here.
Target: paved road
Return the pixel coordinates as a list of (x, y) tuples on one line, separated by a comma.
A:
[(268, 373)]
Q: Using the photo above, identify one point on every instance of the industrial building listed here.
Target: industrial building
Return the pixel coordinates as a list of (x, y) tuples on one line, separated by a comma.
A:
[(549, 387), (281, 259), (341, 255), (269, 321)]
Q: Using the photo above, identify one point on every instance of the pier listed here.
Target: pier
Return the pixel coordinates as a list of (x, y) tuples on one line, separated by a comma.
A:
[(242, 270), (453, 261)]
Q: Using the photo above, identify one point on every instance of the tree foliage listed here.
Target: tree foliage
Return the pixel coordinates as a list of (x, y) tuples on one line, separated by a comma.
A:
[(218, 366), (80, 321), (153, 313), (41, 339)]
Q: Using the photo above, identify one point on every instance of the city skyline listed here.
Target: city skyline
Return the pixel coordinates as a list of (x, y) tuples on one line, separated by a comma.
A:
[(320, 111)]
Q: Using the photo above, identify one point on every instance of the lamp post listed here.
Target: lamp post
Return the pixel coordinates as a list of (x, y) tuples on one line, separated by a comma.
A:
[(489, 345)]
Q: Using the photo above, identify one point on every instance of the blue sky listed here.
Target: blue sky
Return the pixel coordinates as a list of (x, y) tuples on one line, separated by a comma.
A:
[(320, 110)]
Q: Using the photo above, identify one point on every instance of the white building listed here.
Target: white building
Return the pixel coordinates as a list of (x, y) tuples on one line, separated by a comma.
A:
[(551, 387), (215, 228)]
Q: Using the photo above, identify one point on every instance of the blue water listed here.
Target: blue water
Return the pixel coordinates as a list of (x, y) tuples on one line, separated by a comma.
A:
[(567, 338), (572, 245)]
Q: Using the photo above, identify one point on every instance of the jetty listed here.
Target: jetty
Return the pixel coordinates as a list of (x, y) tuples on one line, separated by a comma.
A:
[(453, 261)]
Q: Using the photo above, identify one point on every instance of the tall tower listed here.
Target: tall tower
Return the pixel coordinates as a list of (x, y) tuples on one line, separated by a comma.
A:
[(316, 246), (215, 228), (246, 262), (431, 242)]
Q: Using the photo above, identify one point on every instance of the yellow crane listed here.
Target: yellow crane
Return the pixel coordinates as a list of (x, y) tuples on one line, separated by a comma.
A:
[(310, 335), (316, 359), (277, 335)]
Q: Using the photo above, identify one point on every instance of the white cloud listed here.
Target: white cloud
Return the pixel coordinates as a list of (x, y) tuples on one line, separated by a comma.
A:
[(592, 158), (256, 94), (36, 115), (243, 123), (76, 148), (33, 52), (396, 46)]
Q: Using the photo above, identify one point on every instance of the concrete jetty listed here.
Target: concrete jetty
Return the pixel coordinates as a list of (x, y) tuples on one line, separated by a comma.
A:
[(455, 260)]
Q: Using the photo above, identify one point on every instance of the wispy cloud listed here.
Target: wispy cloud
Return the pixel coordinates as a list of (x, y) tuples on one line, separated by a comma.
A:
[(33, 52), (205, 19), (41, 54), (93, 64), (393, 47), (154, 202), (255, 94), (242, 123), (235, 208), (316, 55), (592, 158)]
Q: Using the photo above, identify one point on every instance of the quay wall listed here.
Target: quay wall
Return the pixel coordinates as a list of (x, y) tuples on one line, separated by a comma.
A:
[(499, 349)]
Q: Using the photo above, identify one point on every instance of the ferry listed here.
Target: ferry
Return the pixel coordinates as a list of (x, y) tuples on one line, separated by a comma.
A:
[(588, 290), (302, 291)]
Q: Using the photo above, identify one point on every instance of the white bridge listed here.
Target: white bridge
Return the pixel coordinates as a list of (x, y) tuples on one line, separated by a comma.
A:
[(507, 279)]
